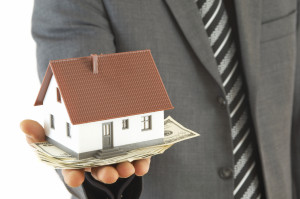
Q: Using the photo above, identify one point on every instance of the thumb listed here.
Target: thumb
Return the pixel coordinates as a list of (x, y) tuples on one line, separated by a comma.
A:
[(33, 130)]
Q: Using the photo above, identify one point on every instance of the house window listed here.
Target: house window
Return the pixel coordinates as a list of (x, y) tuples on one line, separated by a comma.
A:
[(125, 124), (68, 128), (52, 121), (58, 95), (106, 129), (146, 122)]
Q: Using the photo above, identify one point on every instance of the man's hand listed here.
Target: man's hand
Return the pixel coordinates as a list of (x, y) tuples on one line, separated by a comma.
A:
[(74, 177)]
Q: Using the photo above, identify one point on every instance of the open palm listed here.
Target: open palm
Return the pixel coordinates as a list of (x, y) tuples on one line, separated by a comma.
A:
[(74, 177)]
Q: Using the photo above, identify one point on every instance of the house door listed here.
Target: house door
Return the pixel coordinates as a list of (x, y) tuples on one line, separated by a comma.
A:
[(107, 131)]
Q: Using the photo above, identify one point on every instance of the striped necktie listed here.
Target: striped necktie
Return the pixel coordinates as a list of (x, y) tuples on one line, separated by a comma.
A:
[(247, 180)]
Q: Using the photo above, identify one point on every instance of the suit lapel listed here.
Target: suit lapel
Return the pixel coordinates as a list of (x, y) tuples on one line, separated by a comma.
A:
[(248, 21), (249, 25), (187, 16)]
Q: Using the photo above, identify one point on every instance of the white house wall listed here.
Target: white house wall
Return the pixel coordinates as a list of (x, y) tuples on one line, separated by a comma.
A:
[(134, 133), (90, 134), (58, 110)]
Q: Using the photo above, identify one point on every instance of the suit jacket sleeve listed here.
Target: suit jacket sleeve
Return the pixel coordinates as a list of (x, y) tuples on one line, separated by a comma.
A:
[(296, 118), (76, 28)]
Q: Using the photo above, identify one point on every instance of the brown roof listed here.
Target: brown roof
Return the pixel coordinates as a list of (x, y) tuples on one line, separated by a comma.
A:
[(126, 84)]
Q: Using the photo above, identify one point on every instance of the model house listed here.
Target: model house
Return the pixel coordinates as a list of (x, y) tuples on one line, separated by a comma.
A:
[(104, 105)]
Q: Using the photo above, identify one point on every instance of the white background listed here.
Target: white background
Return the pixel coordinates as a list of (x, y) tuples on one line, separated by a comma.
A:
[(22, 175)]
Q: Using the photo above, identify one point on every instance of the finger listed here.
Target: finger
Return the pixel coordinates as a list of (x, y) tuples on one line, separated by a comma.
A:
[(88, 169), (148, 160), (73, 177), (105, 174), (33, 130), (141, 166), (125, 169)]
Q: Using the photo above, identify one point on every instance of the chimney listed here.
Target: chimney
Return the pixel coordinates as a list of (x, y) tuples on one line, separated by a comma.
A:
[(95, 63)]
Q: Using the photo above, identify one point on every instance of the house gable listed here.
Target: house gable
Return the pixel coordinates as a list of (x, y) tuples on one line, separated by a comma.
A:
[(51, 104), (56, 119)]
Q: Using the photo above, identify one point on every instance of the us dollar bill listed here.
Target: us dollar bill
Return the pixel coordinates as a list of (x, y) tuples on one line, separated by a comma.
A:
[(53, 156), (175, 132)]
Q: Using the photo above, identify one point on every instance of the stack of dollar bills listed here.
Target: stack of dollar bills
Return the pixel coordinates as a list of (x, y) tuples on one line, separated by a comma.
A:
[(53, 156)]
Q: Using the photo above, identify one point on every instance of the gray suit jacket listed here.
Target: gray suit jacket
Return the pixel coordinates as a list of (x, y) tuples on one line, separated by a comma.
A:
[(174, 32)]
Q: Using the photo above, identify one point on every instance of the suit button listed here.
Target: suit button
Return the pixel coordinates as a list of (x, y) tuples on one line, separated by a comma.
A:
[(225, 173), (222, 101)]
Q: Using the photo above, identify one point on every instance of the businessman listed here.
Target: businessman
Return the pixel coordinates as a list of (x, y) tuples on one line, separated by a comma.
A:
[(231, 71)]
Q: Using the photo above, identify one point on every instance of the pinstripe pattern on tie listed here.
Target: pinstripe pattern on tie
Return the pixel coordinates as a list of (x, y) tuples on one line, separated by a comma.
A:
[(221, 38)]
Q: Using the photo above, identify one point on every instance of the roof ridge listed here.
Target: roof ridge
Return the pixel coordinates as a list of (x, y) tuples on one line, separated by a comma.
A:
[(102, 55)]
